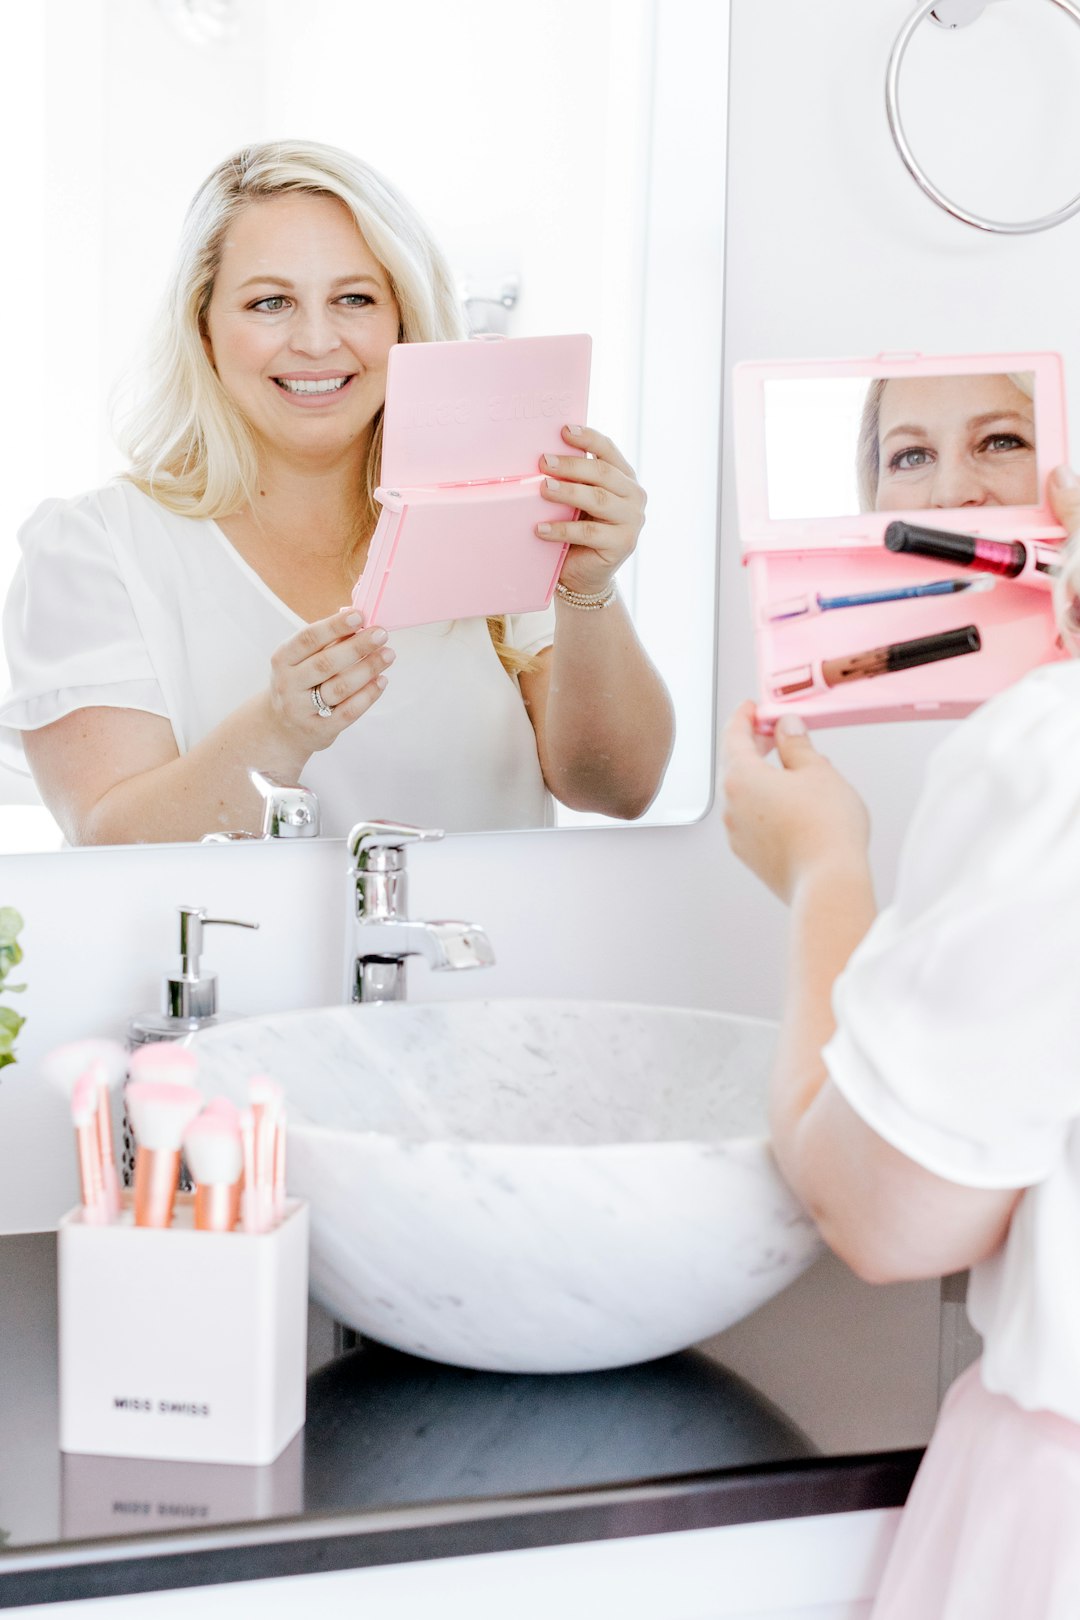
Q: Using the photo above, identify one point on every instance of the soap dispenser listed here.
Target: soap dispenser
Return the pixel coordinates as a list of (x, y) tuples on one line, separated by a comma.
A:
[(189, 998), (188, 1003)]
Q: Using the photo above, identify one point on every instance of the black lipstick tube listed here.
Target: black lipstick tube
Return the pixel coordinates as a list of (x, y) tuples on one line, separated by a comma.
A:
[(1009, 559)]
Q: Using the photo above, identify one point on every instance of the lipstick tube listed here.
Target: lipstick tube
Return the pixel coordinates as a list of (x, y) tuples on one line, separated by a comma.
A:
[(1025, 562), (863, 666)]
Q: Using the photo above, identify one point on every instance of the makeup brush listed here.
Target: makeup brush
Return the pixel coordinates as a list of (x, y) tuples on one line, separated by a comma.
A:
[(225, 1108), (250, 1201), (84, 1114), (164, 1060), (265, 1097), (215, 1156), (161, 1112), (102, 1077), (64, 1064), (170, 1061)]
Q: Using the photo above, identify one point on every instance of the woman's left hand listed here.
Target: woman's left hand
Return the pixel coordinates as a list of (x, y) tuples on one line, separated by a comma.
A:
[(786, 823), (600, 482)]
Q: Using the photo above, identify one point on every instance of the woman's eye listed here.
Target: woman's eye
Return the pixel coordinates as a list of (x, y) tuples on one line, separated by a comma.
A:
[(356, 300), (272, 305), (998, 442), (910, 460)]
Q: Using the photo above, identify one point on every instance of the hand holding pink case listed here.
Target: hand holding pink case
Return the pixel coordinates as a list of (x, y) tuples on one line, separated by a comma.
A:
[(464, 427)]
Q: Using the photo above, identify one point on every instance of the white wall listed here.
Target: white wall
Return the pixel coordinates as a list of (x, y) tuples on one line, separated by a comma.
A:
[(832, 250)]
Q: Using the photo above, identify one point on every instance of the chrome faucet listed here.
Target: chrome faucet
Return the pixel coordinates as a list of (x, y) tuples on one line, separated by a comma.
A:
[(290, 810), (383, 936)]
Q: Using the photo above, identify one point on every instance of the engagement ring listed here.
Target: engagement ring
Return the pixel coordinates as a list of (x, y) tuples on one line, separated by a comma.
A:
[(319, 703)]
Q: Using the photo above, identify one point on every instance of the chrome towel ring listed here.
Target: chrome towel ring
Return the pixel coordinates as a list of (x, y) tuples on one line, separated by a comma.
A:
[(966, 13)]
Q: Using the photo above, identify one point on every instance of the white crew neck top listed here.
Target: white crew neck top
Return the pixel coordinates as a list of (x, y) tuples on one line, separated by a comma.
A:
[(118, 602), (958, 1016)]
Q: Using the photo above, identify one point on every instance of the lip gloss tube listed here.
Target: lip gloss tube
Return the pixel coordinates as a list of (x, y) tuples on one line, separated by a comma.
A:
[(901, 655), (1028, 563), (863, 666)]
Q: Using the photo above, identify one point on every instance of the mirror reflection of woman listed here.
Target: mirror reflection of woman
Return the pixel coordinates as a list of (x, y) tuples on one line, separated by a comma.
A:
[(183, 624), (948, 442)]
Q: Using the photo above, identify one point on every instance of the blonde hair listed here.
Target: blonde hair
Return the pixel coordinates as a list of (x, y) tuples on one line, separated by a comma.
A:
[(188, 446), (868, 471), (1067, 594)]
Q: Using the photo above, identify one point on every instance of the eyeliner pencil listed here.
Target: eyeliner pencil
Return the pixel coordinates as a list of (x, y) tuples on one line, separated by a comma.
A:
[(900, 593), (797, 607)]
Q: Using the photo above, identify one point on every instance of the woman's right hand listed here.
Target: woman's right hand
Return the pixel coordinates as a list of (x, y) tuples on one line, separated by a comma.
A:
[(341, 657)]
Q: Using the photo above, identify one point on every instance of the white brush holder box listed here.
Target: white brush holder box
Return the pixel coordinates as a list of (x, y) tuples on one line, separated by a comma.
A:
[(180, 1344)]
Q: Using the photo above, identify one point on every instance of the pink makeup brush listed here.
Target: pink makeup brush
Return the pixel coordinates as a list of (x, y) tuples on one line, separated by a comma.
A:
[(99, 1073), (64, 1064), (215, 1156), (250, 1202), (161, 1060), (164, 1060), (267, 1111), (84, 1113), (223, 1108), (161, 1112)]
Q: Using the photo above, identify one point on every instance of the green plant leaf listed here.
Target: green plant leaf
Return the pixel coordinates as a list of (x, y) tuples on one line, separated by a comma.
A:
[(10, 955), (10, 1025)]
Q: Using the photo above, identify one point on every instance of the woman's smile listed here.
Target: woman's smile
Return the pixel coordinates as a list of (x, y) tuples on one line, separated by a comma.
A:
[(312, 388)]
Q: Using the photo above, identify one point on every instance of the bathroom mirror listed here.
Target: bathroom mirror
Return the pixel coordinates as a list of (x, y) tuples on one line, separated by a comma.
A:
[(568, 154), (838, 446)]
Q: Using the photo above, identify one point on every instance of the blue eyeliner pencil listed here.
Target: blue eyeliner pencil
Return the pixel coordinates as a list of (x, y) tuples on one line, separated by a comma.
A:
[(897, 593)]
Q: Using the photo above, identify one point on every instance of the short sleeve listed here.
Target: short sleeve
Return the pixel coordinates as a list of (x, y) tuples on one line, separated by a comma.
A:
[(70, 634), (530, 633), (958, 1017)]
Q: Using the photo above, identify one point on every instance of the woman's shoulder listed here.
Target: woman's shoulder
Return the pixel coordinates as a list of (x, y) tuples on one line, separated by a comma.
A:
[(105, 517), (1023, 735), (1001, 793)]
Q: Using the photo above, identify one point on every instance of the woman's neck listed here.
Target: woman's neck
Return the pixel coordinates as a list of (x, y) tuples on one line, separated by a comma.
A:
[(321, 509), (305, 533)]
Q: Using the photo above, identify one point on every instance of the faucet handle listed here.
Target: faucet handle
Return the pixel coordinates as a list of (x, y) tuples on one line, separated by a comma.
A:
[(379, 846), (290, 810)]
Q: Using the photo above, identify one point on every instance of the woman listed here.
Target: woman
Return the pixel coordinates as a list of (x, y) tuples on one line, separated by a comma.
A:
[(925, 1100), (175, 629), (947, 442)]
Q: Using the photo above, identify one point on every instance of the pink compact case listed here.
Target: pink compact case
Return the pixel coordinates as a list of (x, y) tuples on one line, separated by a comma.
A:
[(464, 427), (895, 530)]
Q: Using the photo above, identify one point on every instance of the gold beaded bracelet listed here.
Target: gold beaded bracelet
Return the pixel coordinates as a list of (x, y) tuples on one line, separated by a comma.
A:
[(588, 604)]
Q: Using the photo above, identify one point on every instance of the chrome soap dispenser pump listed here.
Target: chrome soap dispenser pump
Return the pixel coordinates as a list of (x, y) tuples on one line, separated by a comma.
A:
[(189, 998)]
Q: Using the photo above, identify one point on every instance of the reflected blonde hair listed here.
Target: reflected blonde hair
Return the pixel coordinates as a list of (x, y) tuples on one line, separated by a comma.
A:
[(1067, 594), (189, 447)]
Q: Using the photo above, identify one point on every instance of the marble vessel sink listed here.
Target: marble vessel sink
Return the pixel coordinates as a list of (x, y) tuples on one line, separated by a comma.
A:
[(528, 1186)]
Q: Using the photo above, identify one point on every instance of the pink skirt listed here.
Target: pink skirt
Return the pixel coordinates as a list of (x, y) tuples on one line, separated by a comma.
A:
[(991, 1530)]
